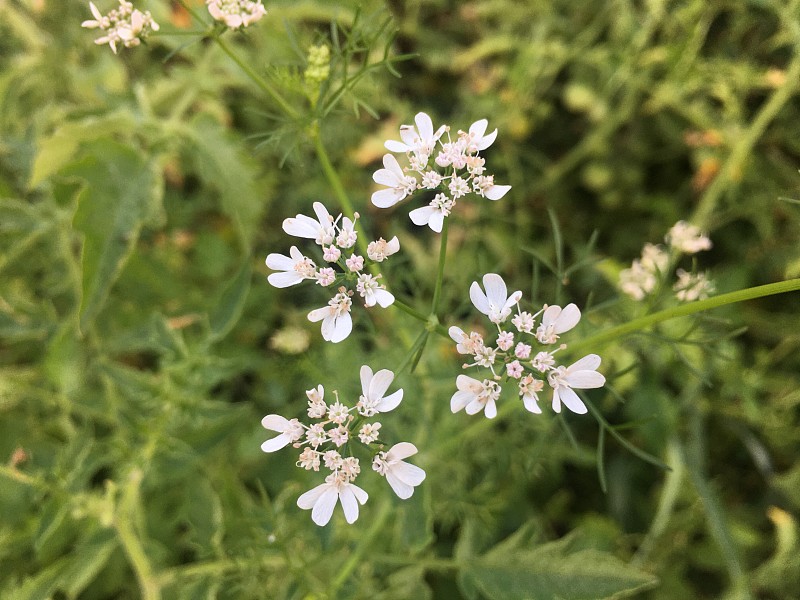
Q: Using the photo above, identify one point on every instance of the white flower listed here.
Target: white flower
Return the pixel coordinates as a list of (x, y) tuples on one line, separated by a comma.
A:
[(236, 13), (373, 387), (309, 460), (474, 396), (338, 413), (505, 340), (355, 263), (380, 250), (514, 369), (654, 258), (523, 322), (692, 286), (347, 234), (420, 140), (555, 321), (637, 281), (466, 344), (402, 476), (326, 276), (369, 432), (316, 435), (529, 389), (339, 435), (458, 187), (290, 431), (687, 238), (543, 361), (295, 267), (322, 499), (522, 350), (475, 138), (322, 229), (336, 321), (124, 25), (580, 375), (495, 303), (373, 292), (398, 184), (434, 214), (484, 186)]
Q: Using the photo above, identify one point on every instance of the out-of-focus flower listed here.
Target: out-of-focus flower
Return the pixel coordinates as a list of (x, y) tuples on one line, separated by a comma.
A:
[(123, 25), (236, 13), (692, 286), (687, 238)]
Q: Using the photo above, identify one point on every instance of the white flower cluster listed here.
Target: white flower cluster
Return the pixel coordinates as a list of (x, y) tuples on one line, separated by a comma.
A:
[(642, 278), (124, 25), (528, 370), (236, 13), (456, 170), (335, 236), (328, 441)]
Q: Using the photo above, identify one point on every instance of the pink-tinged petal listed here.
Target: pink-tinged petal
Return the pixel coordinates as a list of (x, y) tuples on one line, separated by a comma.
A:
[(479, 299), (342, 326), (556, 401), (572, 402), (491, 409), (284, 280), (279, 262), (349, 504), (487, 140), (497, 191), (300, 227), (215, 12), (585, 380), (407, 473), (568, 318), (275, 423), (478, 128), (400, 451), (276, 443), (436, 221), (309, 499), (380, 383), (384, 298), (323, 509), (387, 198), (360, 494), (496, 290), (390, 402), (421, 216), (460, 400), (403, 490), (366, 377), (424, 125), (474, 407), (465, 383), (531, 404), (319, 314), (395, 146), (590, 362)]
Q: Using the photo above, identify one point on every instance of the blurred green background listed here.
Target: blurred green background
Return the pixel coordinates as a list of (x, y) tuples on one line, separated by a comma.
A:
[(140, 343)]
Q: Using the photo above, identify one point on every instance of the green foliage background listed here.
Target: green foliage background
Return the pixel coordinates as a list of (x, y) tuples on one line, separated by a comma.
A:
[(140, 193)]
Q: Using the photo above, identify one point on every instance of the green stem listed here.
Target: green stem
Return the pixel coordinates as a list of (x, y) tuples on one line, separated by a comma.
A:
[(437, 291), (257, 79), (683, 310), (431, 321)]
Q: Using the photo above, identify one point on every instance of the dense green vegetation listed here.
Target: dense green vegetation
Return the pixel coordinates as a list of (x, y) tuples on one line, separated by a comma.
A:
[(141, 344)]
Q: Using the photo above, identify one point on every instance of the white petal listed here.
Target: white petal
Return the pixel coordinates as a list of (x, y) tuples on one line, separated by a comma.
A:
[(424, 126), (323, 508), (487, 140), (279, 262), (407, 473), (530, 404), (97, 14), (556, 401), (392, 246), (496, 290), (390, 162), (319, 314), (380, 383), (590, 362), (300, 227), (585, 380), (550, 315), (421, 216), (385, 177), (309, 499), (284, 280), (403, 490), (572, 402), (568, 318), (342, 326), (323, 216), (366, 377), (497, 191), (478, 128), (276, 443), (436, 221), (384, 298), (478, 298), (360, 494), (388, 197), (390, 402), (349, 504), (395, 146), (400, 451), (460, 400), (465, 383), (275, 423), (474, 407), (456, 334)]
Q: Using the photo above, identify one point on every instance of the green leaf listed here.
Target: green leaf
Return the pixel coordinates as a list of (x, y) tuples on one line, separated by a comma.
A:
[(554, 571), (225, 164), (230, 305), (61, 147), (88, 559), (123, 190)]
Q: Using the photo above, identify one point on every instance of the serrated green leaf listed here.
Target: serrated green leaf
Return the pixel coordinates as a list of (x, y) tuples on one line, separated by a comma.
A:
[(122, 191), (229, 307), (548, 572), (62, 146)]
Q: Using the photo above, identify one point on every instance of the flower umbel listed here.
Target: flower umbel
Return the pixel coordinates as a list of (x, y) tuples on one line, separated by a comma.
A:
[(236, 13), (123, 25)]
